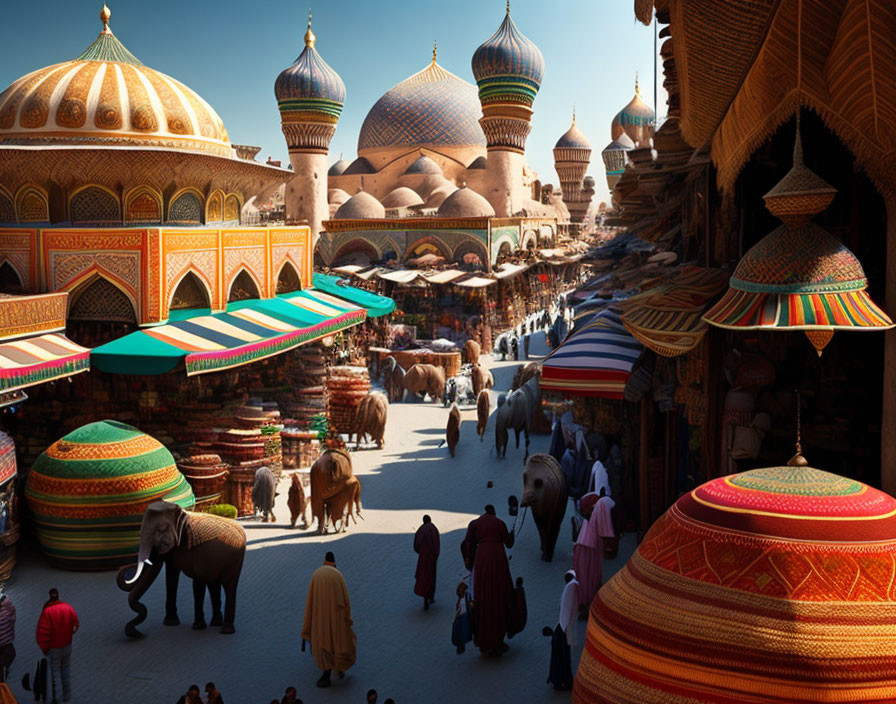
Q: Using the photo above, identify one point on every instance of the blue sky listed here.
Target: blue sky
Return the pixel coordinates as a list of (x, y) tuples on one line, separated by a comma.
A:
[(231, 52)]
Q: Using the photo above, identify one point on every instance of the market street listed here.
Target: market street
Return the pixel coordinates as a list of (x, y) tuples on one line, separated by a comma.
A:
[(403, 652)]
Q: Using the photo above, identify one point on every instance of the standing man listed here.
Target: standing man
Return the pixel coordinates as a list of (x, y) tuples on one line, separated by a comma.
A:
[(483, 552), (57, 624), (7, 634), (328, 621), (426, 545), (563, 635)]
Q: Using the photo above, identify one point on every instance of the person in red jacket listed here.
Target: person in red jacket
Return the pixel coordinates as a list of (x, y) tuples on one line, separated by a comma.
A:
[(57, 624)]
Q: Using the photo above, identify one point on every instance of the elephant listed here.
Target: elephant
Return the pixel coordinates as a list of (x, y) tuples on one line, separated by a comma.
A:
[(478, 377), (371, 419), (263, 493), (512, 414), (452, 432), (544, 491), (393, 379), (340, 506), (208, 549), (329, 476), (425, 379), (523, 373), (483, 404), (470, 352), (296, 502)]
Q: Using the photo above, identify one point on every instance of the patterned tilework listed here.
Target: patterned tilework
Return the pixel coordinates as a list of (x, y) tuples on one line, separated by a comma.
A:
[(310, 85), (508, 66)]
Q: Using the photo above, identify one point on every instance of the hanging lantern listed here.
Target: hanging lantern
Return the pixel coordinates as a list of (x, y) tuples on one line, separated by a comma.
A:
[(799, 277)]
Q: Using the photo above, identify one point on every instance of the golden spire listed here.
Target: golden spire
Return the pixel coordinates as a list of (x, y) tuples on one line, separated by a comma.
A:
[(508, 7), (435, 50), (310, 39), (573, 114), (105, 14), (637, 90)]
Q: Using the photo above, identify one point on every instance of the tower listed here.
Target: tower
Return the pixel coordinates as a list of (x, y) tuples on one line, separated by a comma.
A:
[(310, 95), (508, 68), (572, 154)]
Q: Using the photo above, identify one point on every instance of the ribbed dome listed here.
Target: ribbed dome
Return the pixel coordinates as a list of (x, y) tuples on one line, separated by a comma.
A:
[(508, 65), (339, 167), (573, 139), (774, 585), (122, 470), (310, 84), (336, 196), (424, 165), (361, 206), (402, 197), (465, 203), (432, 108), (635, 120), (106, 96)]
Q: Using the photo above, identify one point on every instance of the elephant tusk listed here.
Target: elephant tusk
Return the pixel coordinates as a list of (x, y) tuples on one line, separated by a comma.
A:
[(138, 573), (148, 562)]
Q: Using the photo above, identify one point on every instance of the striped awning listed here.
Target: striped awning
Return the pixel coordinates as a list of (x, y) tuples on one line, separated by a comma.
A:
[(594, 361), (247, 332), (36, 360)]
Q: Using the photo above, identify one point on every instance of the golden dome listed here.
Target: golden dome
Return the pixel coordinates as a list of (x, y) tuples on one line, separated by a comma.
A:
[(107, 97)]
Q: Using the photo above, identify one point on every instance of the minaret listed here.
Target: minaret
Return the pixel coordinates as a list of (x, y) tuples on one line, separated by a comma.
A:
[(310, 96), (572, 154), (508, 68)]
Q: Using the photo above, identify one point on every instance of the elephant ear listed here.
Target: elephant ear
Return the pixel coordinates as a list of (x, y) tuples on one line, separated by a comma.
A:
[(181, 525)]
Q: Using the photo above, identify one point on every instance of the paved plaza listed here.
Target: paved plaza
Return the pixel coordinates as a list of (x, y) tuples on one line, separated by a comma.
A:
[(403, 652)]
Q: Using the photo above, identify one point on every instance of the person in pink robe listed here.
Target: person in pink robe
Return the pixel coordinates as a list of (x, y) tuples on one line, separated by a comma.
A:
[(426, 545), (588, 557)]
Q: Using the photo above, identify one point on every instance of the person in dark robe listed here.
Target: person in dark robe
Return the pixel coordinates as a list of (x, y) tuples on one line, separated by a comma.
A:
[(526, 341), (558, 442), (576, 464), (563, 635), (462, 626), (519, 613), (426, 545), (515, 347), (483, 552)]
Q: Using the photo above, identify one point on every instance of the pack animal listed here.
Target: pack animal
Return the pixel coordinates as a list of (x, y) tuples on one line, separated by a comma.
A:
[(483, 403), (425, 379), (263, 493), (371, 418), (452, 432)]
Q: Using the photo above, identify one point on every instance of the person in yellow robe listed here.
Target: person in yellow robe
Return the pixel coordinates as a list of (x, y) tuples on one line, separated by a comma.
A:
[(328, 622)]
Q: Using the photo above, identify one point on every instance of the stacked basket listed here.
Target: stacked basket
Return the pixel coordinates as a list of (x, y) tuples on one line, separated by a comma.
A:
[(207, 474), (346, 388)]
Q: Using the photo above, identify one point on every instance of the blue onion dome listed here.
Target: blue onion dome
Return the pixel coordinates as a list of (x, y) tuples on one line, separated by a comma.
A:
[(310, 85), (573, 139), (508, 66), (636, 119)]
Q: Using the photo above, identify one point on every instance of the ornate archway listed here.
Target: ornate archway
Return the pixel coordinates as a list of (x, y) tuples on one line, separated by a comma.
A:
[(243, 288), (99, 311), (190, 293), (288, 280), (10, 281)]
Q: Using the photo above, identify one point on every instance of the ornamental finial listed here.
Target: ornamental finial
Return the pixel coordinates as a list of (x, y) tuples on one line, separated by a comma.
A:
[(573, 114), (435, 50), (508, 7), (637, 90), (310, 39), (105, 14)]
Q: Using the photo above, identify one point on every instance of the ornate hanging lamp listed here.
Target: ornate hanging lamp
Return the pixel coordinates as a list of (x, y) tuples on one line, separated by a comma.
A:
[(799, 277)]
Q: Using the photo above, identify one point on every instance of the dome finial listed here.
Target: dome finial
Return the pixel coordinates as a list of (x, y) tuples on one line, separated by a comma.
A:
[(310, 39), (573, 114), (637, 89), (435, 50), (105, 14), (508, 7)]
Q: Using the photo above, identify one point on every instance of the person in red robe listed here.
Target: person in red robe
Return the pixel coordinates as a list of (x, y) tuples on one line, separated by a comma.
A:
[(426, 545), (483, 552)]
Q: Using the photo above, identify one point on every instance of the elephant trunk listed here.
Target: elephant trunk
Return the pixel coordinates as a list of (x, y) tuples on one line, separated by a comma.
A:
[(528, 498), (136, 588)]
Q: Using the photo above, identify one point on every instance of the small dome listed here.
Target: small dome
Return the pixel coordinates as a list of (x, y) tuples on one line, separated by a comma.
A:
[(479, 162), (336, 196), (752, 587), (424, 165), (637, 119), (339, 167), (588, 182), (508, 66), (361, 206), (465, 203), (310, 84), (359, 166), (432, 108), (438, 195), (122, 470), (622, 143), (573, 139), (402, 197)]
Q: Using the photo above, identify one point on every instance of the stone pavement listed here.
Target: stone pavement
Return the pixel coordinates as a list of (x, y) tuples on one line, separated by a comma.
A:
[(403, 652)]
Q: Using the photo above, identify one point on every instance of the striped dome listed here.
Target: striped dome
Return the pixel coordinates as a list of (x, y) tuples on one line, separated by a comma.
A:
[(432, 108), (88, 491), (107, 97), (508, 66), (310, 84), (774, 585), (573, 139), (636, 119)]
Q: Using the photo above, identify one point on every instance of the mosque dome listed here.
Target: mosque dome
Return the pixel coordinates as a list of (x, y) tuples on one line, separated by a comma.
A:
[(479, 162), (402, 197), (310, 85), (438, 195), (336, 196), (762, 586), (432, 108), (361, 206), (107, 97), (637, 119), (573, 139), (508, 66), (424, 165), (465, 203), (339, 167), (122, 471), (621, 143)]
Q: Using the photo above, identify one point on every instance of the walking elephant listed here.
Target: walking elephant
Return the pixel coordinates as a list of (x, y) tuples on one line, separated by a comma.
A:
[(393, 379), (471, 351), (371, 419), (340, 507), (478, 376), (544, 491), (330, 474), (483, 404), (264, 493), (208, 549), (523, 373), (426, 379), (512, 414)]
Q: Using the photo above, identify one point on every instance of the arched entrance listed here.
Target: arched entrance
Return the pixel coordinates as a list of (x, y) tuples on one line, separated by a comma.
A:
[(190, 293), (288, 280), (9, 279), (98, 312), (243, 288)]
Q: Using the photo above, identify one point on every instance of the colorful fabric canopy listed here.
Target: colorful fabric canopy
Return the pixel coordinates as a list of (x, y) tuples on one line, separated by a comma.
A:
[(36, 360), (594, 361), (668, 318), (248, 331), (374, 304)]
